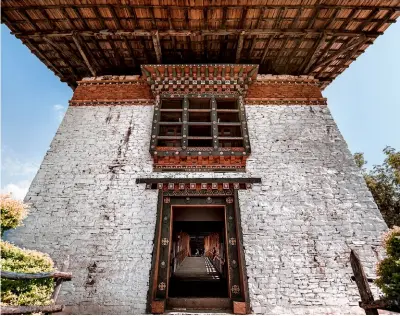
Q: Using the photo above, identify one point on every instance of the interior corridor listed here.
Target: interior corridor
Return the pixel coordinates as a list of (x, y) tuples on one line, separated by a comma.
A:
[(197, 277), (198, 253)]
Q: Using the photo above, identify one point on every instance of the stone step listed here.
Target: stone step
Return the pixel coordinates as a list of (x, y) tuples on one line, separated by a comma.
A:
[(204, 303)]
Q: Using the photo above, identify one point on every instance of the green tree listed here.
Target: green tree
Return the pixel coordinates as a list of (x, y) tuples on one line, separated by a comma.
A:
[(15, 259), (384, 183), (388, 270)]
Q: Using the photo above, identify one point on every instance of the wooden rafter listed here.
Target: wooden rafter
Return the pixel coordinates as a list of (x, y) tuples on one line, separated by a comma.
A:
[(266, 49), (99, 17), (118, 57), (81, 39), (61, 54), (129, 48), (309, 61), (232, 6), (350, 17), (385, 19), (254, 41), (218, 32), (133, 18), (314, 17), (356, 43), (243, 20), (28, 18), (43, 57), (114, 17), (292, 55), (79, 45), (239, 48), (370, 16), (297, 18), (332, 19), (157, 46)]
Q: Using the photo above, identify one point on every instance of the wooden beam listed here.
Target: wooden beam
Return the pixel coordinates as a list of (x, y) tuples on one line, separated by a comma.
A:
[(129, 48), (368, 19), (33, 276), (254, 41), (314, 16), (341, 51), (61, 54), (332, 18), (203, 180), (119, 58), (215, 6), (115, 17), (43, 57), (348, 56), (362, 283), (81, 18), (218, 32), (18, 310), (6, 21), (349, 18), (134, 17), (157, 46), (296, 19), (278, 19), (101, 51), (99, 17), (26, 16), (205, 25), (65, 14), (316, 49), (223, 21), (146, 53), (79, 46), (239, 48), (384, 20), (266, 49), (299, 40), (59, 281), (153, 20), (147, 19), (243, 20)]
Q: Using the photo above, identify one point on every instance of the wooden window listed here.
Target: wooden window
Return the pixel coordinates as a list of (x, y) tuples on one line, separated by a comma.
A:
[(209, 125)]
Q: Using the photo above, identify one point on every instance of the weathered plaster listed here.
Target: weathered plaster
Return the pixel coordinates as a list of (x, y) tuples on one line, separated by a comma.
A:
[(298, 224)]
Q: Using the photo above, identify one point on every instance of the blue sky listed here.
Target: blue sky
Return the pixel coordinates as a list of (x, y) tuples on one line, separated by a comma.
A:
[(364, 101)]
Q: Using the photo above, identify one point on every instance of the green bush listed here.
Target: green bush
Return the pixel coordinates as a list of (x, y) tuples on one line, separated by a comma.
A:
[(25, 292), (12, 212), (388, 270)]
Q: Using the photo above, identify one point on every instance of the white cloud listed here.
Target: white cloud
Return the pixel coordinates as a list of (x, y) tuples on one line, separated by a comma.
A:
[(15, 167), (60, 111), (18, 190)]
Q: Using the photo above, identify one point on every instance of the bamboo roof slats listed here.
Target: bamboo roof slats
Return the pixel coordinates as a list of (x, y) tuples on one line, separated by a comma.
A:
[(79, 38)]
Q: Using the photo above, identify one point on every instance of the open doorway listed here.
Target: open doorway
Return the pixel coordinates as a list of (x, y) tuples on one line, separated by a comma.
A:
[(198, 252)]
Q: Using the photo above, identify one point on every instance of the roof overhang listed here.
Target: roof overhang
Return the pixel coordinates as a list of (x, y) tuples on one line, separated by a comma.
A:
[(77, 40)]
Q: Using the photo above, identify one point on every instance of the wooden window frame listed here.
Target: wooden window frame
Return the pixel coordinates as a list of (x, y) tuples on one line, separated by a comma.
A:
[(184, 149)]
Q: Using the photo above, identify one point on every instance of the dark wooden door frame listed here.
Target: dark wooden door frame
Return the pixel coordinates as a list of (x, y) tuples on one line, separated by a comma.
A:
[(159, 276)]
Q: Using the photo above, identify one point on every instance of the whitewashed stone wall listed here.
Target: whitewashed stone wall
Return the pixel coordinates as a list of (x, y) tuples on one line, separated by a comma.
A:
[(298, 225)]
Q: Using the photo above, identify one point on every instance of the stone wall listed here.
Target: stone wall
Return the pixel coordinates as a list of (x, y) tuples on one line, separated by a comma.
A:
[(298, 224)]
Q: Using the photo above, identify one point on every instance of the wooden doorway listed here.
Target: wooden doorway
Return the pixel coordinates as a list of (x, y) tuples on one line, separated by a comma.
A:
[(206, 223)]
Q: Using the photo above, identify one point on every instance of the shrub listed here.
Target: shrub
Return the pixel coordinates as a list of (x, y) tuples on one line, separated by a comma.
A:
[(12, 212), (388, 270), (25, 292)]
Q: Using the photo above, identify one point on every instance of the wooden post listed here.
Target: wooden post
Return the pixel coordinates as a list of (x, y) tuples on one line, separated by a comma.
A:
[(31, 276), (59, 281), (18, 310), (362, 284)]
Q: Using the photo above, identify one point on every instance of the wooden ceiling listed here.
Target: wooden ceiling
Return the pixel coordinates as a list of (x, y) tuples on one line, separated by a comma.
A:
[(81, 38)]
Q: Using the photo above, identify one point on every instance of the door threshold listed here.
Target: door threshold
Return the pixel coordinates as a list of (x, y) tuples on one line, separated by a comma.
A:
[(199, 303)]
